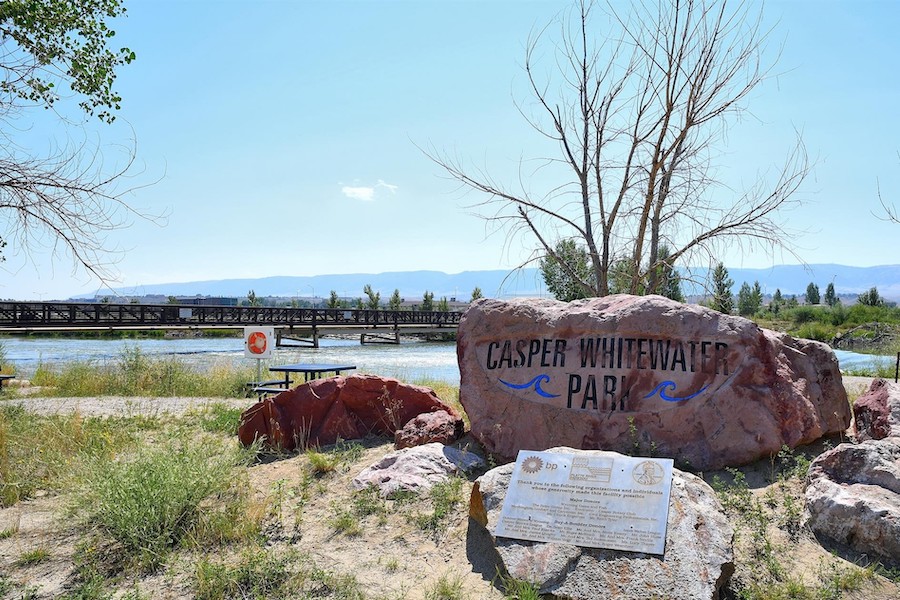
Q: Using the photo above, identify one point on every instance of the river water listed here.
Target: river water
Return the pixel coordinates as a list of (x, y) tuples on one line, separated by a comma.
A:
[(410, 361)]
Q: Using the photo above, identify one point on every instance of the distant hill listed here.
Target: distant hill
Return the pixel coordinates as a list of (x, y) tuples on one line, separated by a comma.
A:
[(412, 285), (790, 279)]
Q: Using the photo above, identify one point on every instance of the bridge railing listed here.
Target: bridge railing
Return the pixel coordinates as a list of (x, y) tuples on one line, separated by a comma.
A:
[(88, 314)]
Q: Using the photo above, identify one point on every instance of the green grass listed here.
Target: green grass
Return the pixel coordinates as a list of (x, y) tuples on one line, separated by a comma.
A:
[(34, 556), (46, 452), (150, 500), (516, 589), (340, 455), (135, 374), (218, 418), (449, 586), (257, 574), (444, 497)]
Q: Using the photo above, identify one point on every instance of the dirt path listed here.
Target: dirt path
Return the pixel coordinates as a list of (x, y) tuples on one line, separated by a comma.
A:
[(122, 406)]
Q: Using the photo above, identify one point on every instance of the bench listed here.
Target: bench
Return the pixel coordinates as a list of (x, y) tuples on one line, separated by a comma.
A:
[(5, 378), (257, 387), (269, 383), (263, 390)]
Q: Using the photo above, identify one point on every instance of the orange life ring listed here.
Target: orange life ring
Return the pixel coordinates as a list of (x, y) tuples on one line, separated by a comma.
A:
[(257, 342)]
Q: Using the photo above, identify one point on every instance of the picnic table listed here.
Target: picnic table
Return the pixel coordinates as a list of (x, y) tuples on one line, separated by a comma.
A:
[(309, 370)]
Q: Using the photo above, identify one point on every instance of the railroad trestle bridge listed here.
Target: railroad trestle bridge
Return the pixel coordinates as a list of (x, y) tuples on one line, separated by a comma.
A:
[(303, 326)]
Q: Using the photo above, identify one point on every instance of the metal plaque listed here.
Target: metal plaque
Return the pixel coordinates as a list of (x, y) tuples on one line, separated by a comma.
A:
[(597, 500)]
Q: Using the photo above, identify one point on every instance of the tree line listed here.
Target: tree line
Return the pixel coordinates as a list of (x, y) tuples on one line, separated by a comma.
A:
[(749, 299), (372, 301)]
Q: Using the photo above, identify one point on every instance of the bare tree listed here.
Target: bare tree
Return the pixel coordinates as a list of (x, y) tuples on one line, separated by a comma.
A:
[(636, 111), (69, 199), (890, 211)]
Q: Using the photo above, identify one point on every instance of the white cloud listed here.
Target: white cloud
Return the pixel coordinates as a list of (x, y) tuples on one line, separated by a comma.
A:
[(367, 193), (359, 193), (391, 188)]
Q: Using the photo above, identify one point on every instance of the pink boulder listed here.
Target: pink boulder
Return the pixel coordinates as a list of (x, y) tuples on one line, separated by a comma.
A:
[(642, 375), (438, 426), (877, 412), (323, 410)]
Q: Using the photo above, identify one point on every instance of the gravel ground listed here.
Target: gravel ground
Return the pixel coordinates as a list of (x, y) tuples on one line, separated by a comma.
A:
[(123, 405), (857, 385)]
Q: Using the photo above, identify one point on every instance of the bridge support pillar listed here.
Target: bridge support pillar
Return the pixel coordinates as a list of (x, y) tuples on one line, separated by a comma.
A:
[(382, 337), (282, 339)]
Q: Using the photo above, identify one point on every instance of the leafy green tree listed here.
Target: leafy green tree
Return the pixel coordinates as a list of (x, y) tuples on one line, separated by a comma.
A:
[(252, 300), (374, 298), (172, 300), (395, 300), (830, 297), (564, 271), (443, 305), (870, 298), (428, 301), (476, 294), (757, 296), (792, 302), (749, 299), (334, 300), (744, 300), (812, 294), (53, 51), (360, 305), (668, 279), (620, 277), (722, 299), (777, 301)]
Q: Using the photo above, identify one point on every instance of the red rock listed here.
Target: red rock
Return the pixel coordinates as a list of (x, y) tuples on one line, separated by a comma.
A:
[(323, 410), (620, 372), (439, 426), (872, 412)]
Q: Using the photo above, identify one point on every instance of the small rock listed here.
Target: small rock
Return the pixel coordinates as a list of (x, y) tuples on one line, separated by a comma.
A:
[(439, 426), (877, 412), (697, 563), (416, 469), (853, 497)]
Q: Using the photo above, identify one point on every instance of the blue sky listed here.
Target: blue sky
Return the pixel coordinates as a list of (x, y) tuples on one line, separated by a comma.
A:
[(281, 137)]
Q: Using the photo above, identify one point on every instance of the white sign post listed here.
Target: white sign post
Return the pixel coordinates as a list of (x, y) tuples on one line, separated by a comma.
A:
[(596, 500), (258, 344)]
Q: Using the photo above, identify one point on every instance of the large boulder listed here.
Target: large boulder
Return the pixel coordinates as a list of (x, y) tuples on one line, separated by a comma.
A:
[(853, 497), (322, 411), (416, 469), (876, 414), (697, 563), (625, 372)]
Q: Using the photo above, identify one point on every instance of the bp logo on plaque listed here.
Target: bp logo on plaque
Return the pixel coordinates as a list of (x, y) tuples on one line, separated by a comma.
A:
[(596, 499), (259, 341)]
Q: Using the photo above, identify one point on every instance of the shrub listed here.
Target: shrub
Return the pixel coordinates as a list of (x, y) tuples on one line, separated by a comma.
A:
[(148, 502), (816, 331)]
